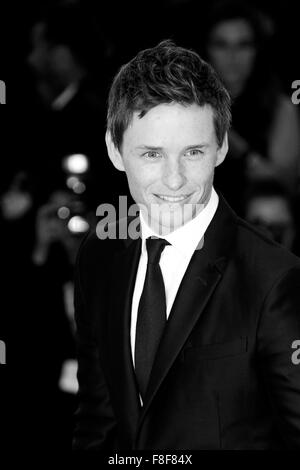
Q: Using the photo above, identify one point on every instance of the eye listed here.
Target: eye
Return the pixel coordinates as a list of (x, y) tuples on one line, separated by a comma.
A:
[(194, 153), (151, 155)]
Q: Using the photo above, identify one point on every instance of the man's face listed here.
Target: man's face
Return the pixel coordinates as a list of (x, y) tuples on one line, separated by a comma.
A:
[(232, 51), (169, 156)]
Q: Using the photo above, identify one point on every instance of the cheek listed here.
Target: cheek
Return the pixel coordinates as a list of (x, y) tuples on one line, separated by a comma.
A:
[(201, 172), (138, 178), (247, 59), (219, 58)]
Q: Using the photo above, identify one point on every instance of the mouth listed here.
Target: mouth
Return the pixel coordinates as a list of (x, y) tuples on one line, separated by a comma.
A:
[(173, 199)]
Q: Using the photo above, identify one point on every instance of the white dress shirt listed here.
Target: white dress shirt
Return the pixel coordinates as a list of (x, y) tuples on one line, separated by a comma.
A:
[(174, 259)]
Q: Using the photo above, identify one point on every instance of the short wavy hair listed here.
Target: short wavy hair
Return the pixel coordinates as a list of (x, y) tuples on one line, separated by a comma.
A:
[(165, 74)]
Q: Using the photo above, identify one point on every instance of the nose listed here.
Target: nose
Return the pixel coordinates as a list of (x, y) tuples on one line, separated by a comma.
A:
[(173, 176)]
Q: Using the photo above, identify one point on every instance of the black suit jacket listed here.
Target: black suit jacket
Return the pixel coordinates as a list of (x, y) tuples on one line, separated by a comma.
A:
[(223, 376)]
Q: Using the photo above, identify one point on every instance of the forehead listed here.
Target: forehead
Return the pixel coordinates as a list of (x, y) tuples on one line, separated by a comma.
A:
[(171, 122), (233, 30)]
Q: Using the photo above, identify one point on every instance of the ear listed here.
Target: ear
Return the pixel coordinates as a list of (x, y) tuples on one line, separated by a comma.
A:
[(222, 151), (113, 153)]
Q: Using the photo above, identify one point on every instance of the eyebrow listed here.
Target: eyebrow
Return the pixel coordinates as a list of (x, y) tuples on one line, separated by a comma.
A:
[(189, 147)]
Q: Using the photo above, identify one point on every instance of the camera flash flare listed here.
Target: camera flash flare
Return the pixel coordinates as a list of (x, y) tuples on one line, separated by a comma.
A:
[(78, 224), (76, 163)]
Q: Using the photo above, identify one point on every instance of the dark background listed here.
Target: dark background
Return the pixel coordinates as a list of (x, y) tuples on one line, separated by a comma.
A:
[(38, 341)]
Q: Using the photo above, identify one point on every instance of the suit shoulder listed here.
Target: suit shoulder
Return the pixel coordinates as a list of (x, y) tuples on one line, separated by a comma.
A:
[(106, 238)]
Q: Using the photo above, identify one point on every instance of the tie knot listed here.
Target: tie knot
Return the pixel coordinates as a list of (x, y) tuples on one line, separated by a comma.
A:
[(155, 247)]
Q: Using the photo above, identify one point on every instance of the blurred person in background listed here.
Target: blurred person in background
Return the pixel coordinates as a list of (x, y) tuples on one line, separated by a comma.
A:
[(68, 69), (269, 206), (63, 56), (70, 60), (39, 302), (264, 138)]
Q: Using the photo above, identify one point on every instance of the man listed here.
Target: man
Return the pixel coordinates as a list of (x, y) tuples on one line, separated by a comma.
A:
[(187, 335), (70, 110), (62, 64)]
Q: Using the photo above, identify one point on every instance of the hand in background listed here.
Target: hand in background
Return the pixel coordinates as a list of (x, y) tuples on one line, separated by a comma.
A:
[(49, 229), (16, 201)]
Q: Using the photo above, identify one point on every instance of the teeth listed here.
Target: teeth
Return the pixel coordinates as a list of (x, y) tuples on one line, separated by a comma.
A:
[(172, 198)]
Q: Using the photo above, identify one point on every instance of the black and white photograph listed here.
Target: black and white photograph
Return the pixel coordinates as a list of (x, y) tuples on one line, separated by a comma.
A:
[(150, 227)]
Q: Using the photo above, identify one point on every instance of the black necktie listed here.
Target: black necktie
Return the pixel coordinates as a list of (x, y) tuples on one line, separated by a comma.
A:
[(151, 318)]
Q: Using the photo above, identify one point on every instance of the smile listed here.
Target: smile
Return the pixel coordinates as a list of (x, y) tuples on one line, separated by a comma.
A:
[(173, 198)]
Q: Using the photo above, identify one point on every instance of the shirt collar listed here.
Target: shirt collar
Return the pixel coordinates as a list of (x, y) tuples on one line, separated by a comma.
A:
[(186, 238)]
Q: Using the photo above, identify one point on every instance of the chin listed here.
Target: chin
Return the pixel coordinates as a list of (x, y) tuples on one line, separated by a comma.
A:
[(173, 220)]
